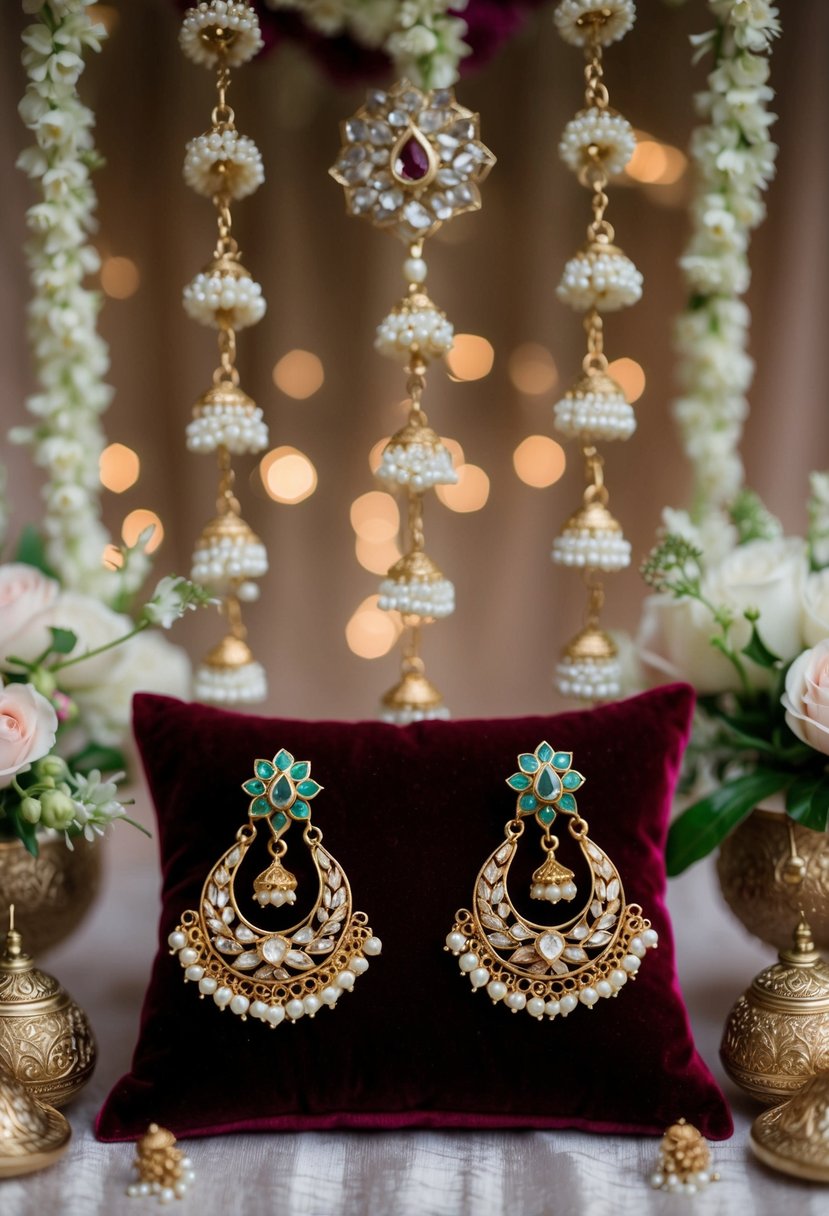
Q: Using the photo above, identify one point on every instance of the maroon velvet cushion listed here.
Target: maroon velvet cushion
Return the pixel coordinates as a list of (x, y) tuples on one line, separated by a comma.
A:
[(411, 813)]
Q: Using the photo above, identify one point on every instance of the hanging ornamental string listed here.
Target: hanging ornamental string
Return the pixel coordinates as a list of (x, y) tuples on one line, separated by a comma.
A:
[(596, 144), (224, 166), (410, 161)]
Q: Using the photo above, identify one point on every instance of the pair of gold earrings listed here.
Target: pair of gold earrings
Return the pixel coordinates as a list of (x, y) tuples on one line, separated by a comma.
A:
[(547, 970)]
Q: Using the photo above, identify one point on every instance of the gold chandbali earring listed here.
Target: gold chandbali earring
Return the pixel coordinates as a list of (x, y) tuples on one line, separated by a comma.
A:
[(225, 166), (549, 970), (257, 972), (410, 161), (596, 144)]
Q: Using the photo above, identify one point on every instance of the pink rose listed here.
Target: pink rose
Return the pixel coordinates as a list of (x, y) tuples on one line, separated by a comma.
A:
[(28, 724), (806, 699), (24, 592)]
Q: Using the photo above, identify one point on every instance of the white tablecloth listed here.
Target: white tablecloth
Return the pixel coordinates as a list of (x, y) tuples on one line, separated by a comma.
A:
[(405, 1173)]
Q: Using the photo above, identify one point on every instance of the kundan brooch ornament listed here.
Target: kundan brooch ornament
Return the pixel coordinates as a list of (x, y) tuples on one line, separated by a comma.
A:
[(286, 973), (549, 970)]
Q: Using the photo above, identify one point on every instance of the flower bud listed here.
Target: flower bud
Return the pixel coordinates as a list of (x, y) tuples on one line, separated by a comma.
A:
[(57, 810), (51, 766), (30, 810), (44, 681)]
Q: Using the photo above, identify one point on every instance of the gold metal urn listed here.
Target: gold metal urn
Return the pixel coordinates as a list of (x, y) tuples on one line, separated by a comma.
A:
[(777, 1035), (52, 892), (794, 1137), (32, 1135), (45, 1039)]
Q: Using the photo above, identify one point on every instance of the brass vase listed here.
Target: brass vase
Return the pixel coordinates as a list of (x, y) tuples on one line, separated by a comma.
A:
[(51, 893), (771, 870)]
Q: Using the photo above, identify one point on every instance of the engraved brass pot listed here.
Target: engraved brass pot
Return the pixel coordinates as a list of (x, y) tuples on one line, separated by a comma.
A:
[(51, 893), (772, 869)]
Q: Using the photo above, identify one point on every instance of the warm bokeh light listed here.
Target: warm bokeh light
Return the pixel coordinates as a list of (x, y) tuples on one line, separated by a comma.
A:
[(376, 556), (454, 449), (470, 358), (105, 14), (471, 492), (299, 374), (655, 163), (375, 516), (376, 453), (119, 468), (288, 475), (371, 632), (630, 376), (137, 522), (539, 461), (112, 558), (532, 369), (120, 278)]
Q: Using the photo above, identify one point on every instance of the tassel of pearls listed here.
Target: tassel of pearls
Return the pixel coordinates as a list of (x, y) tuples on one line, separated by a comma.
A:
[(224, 166)]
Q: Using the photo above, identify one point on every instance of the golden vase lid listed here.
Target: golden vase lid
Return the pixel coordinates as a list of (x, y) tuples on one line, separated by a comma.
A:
[(23, 986), (32, 1135), (798, 982), (794, 1137)]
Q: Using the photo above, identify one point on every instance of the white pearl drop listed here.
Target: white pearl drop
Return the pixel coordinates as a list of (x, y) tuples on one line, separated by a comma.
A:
[(345, 979), (604, 989), (258, 1010), (208, 985), (240, 1004), (469, 961), (496, 990), (618, 978), (479, 977), (312, 1004), (415, 270), (552, 1009), (275, 1014), (331, 995), (176, 940), (372, 947), (568, 1003), (650, 938), (588, 996), (222, 997), (516, 1000), (535, 1007), (295, 1010), (631, 963), (637, 947), (188, 956), (194, 973), (456, 942), (359, 965)]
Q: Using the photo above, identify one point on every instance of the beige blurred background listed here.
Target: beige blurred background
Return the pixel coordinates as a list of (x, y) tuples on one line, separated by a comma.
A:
[(329, 280)]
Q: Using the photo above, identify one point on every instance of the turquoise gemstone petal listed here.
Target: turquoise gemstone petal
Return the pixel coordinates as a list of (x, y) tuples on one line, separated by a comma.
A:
[(308, 789), (567, 802), (562, 760), (544, 753), (283, 760), (300, 809), (260, 806), (546, 816), (547, 784), (519, 781), (254, 787), (572, 780), (264, 769), (282, 792), (527, 803), (301, 769), (528, 763), (279, 820)]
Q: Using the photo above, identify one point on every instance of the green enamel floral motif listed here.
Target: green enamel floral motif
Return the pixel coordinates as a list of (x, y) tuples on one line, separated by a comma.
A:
[(282, 792), (300, 770), (282, 789), (300, 809), (264, 769), (283, 761), (545, 783), (260, 806), (308, 789), (254, 786)]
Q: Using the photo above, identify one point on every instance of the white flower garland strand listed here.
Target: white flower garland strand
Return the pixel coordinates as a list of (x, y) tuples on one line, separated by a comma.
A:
[(734, 162), (424, 42), (70, 357)]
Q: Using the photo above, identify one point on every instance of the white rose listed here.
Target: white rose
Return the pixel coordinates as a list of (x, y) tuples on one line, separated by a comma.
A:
[(93, 624), (149, 664), (24, 593), (806, 699), (28, 724), (674, 640), (815, 622)]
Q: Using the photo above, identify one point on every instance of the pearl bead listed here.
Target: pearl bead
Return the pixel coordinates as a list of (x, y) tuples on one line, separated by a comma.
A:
[(222, 997), (631, 963), (345, 980), (176, 940), (194, 973), (604, 989), (188, 956), (552, 892), (415, 270), (239, 1005), (359, 965), (568, 891), (330, 995), (312, 1004), (275, 1014), (656, 1180), (469, 961), (456, 942), (479, 977), (497, 990), (295, 1010), (650, 938), (258, 1010), (535, 1007), (132, 1190), (618, 978), (637, 947), (552, 1009), (208, 985), (516, 1000), (568, 1003), (588, 996), (166, 1195), (180, 1188), (372, 947)]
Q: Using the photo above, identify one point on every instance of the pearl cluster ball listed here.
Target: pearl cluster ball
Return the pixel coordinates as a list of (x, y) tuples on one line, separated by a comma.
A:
[(404, 715), (589, 679), (552, 892), (618, 17), (418, 597), (417, 466), (425, 331), (219, 562), (223, 162), (586, 548), (600, 279), (239, 18), (166, 1194), (609, 134), (245, 685), (214, 298), (592, 416), (241, 431)]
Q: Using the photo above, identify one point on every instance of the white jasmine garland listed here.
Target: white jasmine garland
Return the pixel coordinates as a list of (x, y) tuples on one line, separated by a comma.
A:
[(70, 357), (734, 162)]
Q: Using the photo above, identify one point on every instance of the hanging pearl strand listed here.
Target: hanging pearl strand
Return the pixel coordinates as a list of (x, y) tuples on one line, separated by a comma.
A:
[(224, 166), (596, 144)]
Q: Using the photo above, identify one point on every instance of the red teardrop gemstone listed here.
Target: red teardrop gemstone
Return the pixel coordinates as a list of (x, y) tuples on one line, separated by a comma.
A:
[(412, 163)]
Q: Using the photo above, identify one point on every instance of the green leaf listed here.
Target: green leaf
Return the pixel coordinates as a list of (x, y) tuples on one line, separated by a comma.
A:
[(64, 641), (815, 814), (95, 755), (799, 794), (702, 826), (758, 651), (32, 552), (25, 831)]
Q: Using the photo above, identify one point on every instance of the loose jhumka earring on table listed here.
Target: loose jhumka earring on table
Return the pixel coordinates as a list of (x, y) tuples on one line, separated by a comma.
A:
[(548, 970), (225, 166), (410, 161), (596, 144), (265, 974)]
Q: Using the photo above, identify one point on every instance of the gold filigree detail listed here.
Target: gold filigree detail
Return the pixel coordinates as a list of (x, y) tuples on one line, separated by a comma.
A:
[(52, 893)]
